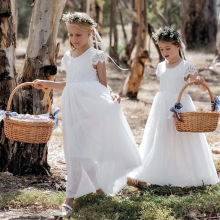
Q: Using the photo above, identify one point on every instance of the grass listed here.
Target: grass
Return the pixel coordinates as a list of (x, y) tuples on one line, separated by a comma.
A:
[(152, 202), (24, 198)]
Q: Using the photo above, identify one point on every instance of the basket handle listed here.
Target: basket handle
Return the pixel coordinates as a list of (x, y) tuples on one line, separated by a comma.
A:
[(194, 82), (27, 84)]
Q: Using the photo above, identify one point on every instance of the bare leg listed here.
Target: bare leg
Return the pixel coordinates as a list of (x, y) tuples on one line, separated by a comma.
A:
[(99, 191), (136, 183)]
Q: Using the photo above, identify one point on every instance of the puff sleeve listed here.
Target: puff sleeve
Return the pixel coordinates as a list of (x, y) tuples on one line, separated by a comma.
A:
[(190, 70), (97, 57)]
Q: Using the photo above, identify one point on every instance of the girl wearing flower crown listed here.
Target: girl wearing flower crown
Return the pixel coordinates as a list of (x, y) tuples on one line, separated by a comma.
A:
[(171, 157), (99, 147)]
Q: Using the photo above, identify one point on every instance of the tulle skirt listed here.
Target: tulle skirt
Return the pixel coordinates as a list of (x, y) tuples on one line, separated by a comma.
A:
[(170, 157), (99, 147)]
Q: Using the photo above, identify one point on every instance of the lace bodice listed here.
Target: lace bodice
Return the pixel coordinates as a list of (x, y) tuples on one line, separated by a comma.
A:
[(172, 79), (81, 68)]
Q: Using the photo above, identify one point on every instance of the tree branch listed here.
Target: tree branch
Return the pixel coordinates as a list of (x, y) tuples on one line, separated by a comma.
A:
[(129, 9), (159, 15)]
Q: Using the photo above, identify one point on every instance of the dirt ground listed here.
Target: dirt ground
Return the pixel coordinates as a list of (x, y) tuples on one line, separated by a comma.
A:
[(136, 112)]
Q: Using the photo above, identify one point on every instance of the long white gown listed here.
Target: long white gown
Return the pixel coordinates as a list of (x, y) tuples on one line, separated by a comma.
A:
[(99, 147), (170, 157)]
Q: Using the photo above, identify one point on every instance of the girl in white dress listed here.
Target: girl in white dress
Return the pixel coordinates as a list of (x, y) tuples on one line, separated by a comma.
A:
[(99, 147), (170, 157)]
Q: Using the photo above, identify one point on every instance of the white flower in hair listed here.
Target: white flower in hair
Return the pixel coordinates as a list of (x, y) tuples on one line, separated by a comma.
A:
[(78, 17), (166, 32)]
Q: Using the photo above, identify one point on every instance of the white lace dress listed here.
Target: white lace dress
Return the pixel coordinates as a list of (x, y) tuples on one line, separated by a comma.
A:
[(171, 157), (99, 147)]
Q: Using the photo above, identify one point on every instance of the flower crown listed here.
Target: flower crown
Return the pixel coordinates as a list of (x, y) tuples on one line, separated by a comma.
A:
[(167, 33), (78, 17)]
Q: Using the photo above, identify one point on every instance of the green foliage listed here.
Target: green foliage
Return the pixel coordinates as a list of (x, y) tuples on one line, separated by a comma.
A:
[(100, 2), (120, 49), (151, 203), (151, 17), (106, 13), (174, 18), (25, 198), (173, 13), (117, 208), (24, 17)]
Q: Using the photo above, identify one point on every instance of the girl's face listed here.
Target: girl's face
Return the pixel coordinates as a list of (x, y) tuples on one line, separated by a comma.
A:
[(77, 36), (168, 50)]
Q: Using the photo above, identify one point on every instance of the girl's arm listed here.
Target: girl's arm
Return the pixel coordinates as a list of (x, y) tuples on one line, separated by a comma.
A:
[(199, 80), (101, 71), (38, 84)]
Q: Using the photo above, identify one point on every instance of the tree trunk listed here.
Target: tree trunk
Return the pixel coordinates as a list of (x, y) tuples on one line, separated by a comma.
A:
[(8, 74), (40, 62), (198, 23), (135, 76), (113, 46), (165, 13), (216, 60), (150, 31), (122, 25), (129, 46), (218, 39), (95, 11), (158, 14), (77, 5), (125, 57)]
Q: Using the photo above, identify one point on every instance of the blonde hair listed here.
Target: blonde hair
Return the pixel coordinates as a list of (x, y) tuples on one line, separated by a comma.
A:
[(80, 19), (82, 26)]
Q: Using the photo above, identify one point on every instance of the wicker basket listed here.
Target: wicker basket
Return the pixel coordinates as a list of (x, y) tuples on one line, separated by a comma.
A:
[(33, 132), (197, 121)]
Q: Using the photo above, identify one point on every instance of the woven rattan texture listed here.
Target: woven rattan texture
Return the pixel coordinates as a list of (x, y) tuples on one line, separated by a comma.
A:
[(33, 132), (28, 132), (205, 121), (197, 121)]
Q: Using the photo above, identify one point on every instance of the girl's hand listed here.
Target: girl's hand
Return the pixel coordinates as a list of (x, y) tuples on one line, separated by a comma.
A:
[(39, 84), (115, 97), (199, 80)]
